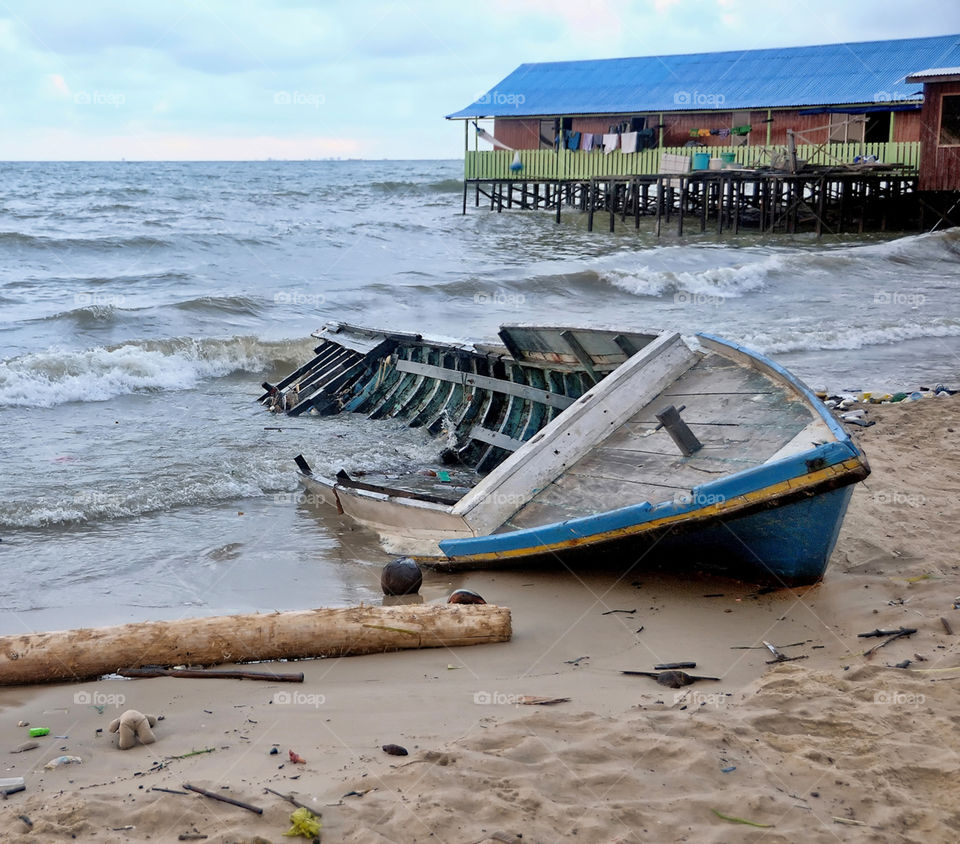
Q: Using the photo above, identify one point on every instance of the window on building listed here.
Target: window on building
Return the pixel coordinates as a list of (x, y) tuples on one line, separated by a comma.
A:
[(877, 128), (950, 121), (847, 128)]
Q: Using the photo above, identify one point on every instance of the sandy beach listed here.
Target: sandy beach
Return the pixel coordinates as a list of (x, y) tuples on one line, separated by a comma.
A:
[(833, 745)]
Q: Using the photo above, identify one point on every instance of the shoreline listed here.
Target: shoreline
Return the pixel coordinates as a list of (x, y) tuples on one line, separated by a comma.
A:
[(625, 759)]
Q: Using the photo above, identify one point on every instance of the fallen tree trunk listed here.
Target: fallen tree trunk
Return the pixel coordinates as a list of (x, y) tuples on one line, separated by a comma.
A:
[(92, 652)]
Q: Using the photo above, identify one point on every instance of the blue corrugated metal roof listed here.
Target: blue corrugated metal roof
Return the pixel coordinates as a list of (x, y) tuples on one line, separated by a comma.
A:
[(871, 71)]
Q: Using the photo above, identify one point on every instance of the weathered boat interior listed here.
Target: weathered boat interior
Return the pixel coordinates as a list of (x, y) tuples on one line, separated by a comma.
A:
[(553, 425)]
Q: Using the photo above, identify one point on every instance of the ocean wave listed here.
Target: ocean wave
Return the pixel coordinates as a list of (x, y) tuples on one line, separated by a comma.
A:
[(440, 186), (59, 376), (718, 281), (239, 479), (234, 305), (825, 336), (21, 239)]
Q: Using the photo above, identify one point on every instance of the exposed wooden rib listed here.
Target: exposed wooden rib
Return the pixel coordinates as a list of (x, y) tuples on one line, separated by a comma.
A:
[(625, 345), (571, 435), (485, 435), (580, 353), (485, 383)]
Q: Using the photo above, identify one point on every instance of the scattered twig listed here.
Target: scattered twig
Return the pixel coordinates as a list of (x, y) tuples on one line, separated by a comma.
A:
[(786, 659), (875, 634), (193, 753), (946, 626), (191, 836), (195, 674), (848, 821), (761, 647), (214, 796), (167, 790), (893, 634), (291, 799), (734, 819), (625, 612), (575, 661), (669, 666)]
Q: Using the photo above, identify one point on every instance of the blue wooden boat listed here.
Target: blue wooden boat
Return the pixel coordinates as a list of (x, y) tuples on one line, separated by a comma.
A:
[(583, 446)]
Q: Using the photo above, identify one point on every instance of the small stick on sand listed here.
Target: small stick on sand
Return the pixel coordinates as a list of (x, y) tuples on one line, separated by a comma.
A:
[(946, 626), (214, 796), (894, 635), (291, 799)]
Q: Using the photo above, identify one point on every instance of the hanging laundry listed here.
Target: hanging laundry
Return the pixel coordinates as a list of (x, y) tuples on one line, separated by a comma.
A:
[(597, 141), (587, 142), (610, 142), (694, 133), (573, 140), (628, 142), (703, 133), (741, 130), (714, 131), (724, 133)]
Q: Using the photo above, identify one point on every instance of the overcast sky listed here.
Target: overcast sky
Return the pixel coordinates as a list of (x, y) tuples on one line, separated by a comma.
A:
[(247, 79)]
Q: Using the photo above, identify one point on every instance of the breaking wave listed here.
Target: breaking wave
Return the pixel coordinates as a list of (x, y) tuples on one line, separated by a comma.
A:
[(58, 376)]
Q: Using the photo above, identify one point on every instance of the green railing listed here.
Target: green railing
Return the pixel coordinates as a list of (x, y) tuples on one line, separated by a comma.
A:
[(548, 164)]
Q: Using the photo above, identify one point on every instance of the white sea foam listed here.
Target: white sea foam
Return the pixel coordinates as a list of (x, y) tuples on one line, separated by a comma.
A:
[(815, 337), (57, 376)]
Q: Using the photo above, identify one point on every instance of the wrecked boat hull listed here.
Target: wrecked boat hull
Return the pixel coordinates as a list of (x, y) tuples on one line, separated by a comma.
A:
[(577, 451)]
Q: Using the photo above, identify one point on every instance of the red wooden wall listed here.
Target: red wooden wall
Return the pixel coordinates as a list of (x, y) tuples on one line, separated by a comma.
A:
[(939, 166)]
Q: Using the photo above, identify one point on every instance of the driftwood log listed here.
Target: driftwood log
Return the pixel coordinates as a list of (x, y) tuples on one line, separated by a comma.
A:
[(92, 652)]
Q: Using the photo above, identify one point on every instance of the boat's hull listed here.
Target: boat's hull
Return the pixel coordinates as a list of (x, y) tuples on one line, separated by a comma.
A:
[(786, 542), (566, 471)]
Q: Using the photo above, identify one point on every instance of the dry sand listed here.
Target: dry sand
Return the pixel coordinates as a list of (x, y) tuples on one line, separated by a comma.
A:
[(834, 747)]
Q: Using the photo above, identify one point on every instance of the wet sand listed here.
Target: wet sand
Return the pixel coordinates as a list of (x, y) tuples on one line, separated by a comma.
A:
[(836, 745)]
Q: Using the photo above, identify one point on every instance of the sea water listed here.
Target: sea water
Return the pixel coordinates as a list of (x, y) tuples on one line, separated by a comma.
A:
[(141, 305)]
